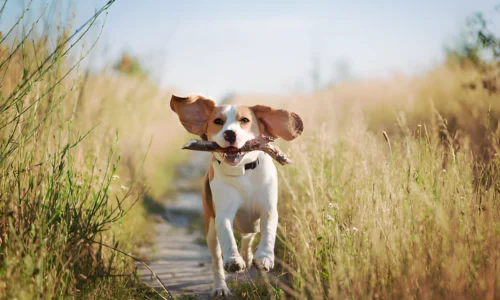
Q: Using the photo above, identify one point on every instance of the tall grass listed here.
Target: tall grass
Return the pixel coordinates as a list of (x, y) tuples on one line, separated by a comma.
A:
[(394, 191), (384, 200), (71, 167)]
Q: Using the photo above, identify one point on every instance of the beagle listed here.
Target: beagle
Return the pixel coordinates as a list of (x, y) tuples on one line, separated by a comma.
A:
[(240, 190)]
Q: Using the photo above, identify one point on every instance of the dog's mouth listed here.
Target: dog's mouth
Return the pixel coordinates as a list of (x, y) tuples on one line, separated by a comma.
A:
[(232, 157)]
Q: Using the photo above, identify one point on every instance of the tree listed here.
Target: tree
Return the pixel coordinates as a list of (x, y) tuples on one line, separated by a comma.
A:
[(478, 48), (130, 65), (477, 44)]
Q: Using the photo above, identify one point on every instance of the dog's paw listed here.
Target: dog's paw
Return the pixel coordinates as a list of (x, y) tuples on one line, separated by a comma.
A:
[(234, 264), (221, 292), (263, 263)]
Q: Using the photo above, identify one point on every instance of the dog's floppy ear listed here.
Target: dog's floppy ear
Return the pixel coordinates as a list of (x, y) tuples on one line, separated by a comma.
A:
[(193, 112), (278, 123)]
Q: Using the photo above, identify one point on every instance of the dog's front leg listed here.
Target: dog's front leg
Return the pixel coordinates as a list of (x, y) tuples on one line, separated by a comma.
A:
[(264, 257), (227, 201), (220, 286)]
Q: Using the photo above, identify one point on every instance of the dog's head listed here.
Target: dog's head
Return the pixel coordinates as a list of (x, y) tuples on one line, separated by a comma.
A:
[(234, 125)]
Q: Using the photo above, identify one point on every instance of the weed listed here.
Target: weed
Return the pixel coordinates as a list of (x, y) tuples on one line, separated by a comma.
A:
[(68, 183)]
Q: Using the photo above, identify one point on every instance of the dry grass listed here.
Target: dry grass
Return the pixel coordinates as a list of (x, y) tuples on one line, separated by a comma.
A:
[(71, 169), (416, 218), (140, 112), (413, 215)]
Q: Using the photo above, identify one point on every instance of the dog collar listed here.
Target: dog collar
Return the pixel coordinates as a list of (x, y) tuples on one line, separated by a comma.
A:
[(237, 170)]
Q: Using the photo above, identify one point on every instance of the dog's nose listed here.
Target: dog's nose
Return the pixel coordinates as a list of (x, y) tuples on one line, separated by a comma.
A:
[(230, 136)]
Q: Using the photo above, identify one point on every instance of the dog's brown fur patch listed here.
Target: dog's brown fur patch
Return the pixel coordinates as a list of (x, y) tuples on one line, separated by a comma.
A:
[(208, 204)]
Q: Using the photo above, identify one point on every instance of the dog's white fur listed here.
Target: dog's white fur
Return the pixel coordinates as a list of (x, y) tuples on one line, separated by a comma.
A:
[(247, 203), (242, 136)]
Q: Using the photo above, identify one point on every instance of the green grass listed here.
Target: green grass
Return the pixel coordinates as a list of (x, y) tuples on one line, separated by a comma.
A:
[(68, 181), (118, 288), (258, 288), (360, 216)]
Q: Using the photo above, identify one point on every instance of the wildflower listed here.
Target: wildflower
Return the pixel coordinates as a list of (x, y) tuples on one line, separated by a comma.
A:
[(333, 205), (79, 183), (124, 188), (115, 177), (330, 218), (355, 229)]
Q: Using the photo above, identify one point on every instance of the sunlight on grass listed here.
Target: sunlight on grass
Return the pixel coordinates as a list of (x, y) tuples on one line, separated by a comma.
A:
[(409, 215), (72, 161), (393, 193)]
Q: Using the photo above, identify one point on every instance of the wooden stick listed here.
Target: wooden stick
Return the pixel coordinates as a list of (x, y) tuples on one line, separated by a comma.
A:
[(277, 154), (259, 143)]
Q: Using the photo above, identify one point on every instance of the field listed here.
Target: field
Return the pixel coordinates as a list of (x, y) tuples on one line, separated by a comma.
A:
[(394, 192), (391, 196)]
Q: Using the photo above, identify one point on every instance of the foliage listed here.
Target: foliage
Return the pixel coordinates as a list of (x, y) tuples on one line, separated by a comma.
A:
[(478, 43), (478, 48), (68, 175), (130, 65)]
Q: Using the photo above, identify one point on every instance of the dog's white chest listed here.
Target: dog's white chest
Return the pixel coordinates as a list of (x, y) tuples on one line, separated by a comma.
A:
[(248, 195)]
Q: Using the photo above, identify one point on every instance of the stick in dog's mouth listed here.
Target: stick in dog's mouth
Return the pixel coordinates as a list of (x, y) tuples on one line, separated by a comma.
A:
[(259, 143)]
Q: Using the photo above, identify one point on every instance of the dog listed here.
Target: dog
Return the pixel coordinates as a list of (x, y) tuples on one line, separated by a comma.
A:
[(240, 190)]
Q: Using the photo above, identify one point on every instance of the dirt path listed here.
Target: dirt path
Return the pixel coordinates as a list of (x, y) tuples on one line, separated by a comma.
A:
[(180, 256)]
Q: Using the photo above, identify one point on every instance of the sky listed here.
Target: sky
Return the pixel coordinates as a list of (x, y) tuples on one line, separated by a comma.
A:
[(220, 46)]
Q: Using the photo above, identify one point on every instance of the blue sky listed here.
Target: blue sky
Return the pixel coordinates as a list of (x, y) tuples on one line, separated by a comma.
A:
[(217, 47)]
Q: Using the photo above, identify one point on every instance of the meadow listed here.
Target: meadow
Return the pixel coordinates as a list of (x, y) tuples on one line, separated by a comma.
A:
[(393, 193)]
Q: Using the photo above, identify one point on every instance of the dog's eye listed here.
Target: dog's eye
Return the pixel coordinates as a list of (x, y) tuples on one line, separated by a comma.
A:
[(218, 121), (244, 120)]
